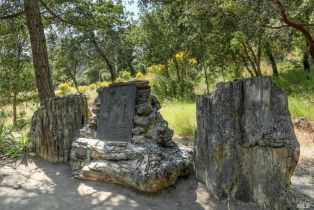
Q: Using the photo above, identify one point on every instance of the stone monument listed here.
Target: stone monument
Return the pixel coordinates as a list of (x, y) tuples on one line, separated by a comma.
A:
[(245, 145), (128, 142)]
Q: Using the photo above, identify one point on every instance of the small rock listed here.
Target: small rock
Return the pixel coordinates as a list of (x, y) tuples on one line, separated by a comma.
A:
[(302, 124), (145, 120), (160, 132), (138, 139), (144, 109), (17, 186), (155, 103), (138, 130)]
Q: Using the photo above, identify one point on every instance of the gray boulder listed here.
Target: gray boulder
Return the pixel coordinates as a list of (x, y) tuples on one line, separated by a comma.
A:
[(146, 167), (245, 146)]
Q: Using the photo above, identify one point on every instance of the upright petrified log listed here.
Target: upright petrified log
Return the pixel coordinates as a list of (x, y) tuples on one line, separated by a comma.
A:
[(245, 144), (56, 123)]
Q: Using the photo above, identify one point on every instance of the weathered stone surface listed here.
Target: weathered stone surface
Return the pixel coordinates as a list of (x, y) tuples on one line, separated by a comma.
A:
[(145, 120), (146, 167), (56, 123), (149, 162), (116, 114), (140, 84), (160, 132), (144, 109), (245, 144), (138, 130), (155, 103)]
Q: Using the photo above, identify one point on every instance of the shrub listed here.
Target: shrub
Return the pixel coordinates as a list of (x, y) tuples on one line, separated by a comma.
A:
[(126, 75), (12, 147)]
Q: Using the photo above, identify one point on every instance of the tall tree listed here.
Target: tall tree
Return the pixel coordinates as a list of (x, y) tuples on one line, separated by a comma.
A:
[(39, 49)]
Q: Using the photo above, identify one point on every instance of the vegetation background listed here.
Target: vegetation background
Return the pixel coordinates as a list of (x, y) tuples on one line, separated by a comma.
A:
[(184, 48)]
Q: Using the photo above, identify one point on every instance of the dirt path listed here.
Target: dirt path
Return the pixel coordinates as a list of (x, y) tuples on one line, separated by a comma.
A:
[(37, 184)]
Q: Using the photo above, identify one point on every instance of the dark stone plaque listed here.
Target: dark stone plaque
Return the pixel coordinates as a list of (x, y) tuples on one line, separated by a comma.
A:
[(116, 113)]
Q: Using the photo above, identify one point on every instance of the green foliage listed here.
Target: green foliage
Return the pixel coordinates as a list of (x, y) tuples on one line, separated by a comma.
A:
[(181, 117), (12, 147), (293, 81), (168, 89)]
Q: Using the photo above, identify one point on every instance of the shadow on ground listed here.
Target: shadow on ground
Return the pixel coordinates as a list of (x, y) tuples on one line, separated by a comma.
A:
[(37, 184)]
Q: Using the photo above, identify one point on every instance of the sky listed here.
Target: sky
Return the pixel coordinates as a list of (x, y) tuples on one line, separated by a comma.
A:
[(131, 6)]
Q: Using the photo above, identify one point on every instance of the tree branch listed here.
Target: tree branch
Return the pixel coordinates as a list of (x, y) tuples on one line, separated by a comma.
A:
[(15, 15), (58, 16), (296, 26)]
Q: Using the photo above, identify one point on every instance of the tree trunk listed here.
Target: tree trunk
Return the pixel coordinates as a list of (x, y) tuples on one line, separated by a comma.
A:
[(206, 78), (306, 62), (112, 71), (176, 65), (55, 125), (14, 109), (299, 27), (133, 72), (39, 49), (271, 58)]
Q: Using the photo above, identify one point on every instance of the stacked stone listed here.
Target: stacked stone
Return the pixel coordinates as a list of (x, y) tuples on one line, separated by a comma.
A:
[(96, 111), (149, 163), (148, 122)]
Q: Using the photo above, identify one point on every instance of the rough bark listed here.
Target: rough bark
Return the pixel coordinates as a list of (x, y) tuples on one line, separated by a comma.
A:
[(271, 58), (39, 49), (245, 145), (56, 123)]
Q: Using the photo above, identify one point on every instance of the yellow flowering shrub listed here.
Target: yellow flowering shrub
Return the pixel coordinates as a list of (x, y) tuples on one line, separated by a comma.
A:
[(192, 61), (82, 88), (104, 84), (156, 68), (180, 56), (119, 79), (92, 86), (139, 75), (64, 88), (126, 75)]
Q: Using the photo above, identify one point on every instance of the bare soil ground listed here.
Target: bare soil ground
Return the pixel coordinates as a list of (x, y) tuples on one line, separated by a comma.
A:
[(36, 184)]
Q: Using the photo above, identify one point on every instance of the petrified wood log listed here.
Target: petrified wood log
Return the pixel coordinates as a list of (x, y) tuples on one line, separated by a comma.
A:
[(245, 144), (56, 123)]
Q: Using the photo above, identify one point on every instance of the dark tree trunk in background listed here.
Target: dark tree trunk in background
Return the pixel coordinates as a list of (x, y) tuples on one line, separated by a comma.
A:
[(176, 65), (306, 62), (39, 49), (14, 108), (133, 72), (112, 71), (271, 58)]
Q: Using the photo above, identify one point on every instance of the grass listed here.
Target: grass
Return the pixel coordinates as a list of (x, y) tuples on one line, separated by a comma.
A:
[(301, 107), (181, 117)]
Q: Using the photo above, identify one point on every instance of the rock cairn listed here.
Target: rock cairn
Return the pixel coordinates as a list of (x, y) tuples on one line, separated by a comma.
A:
[(245, 146), (148, 122), (151, 162)]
